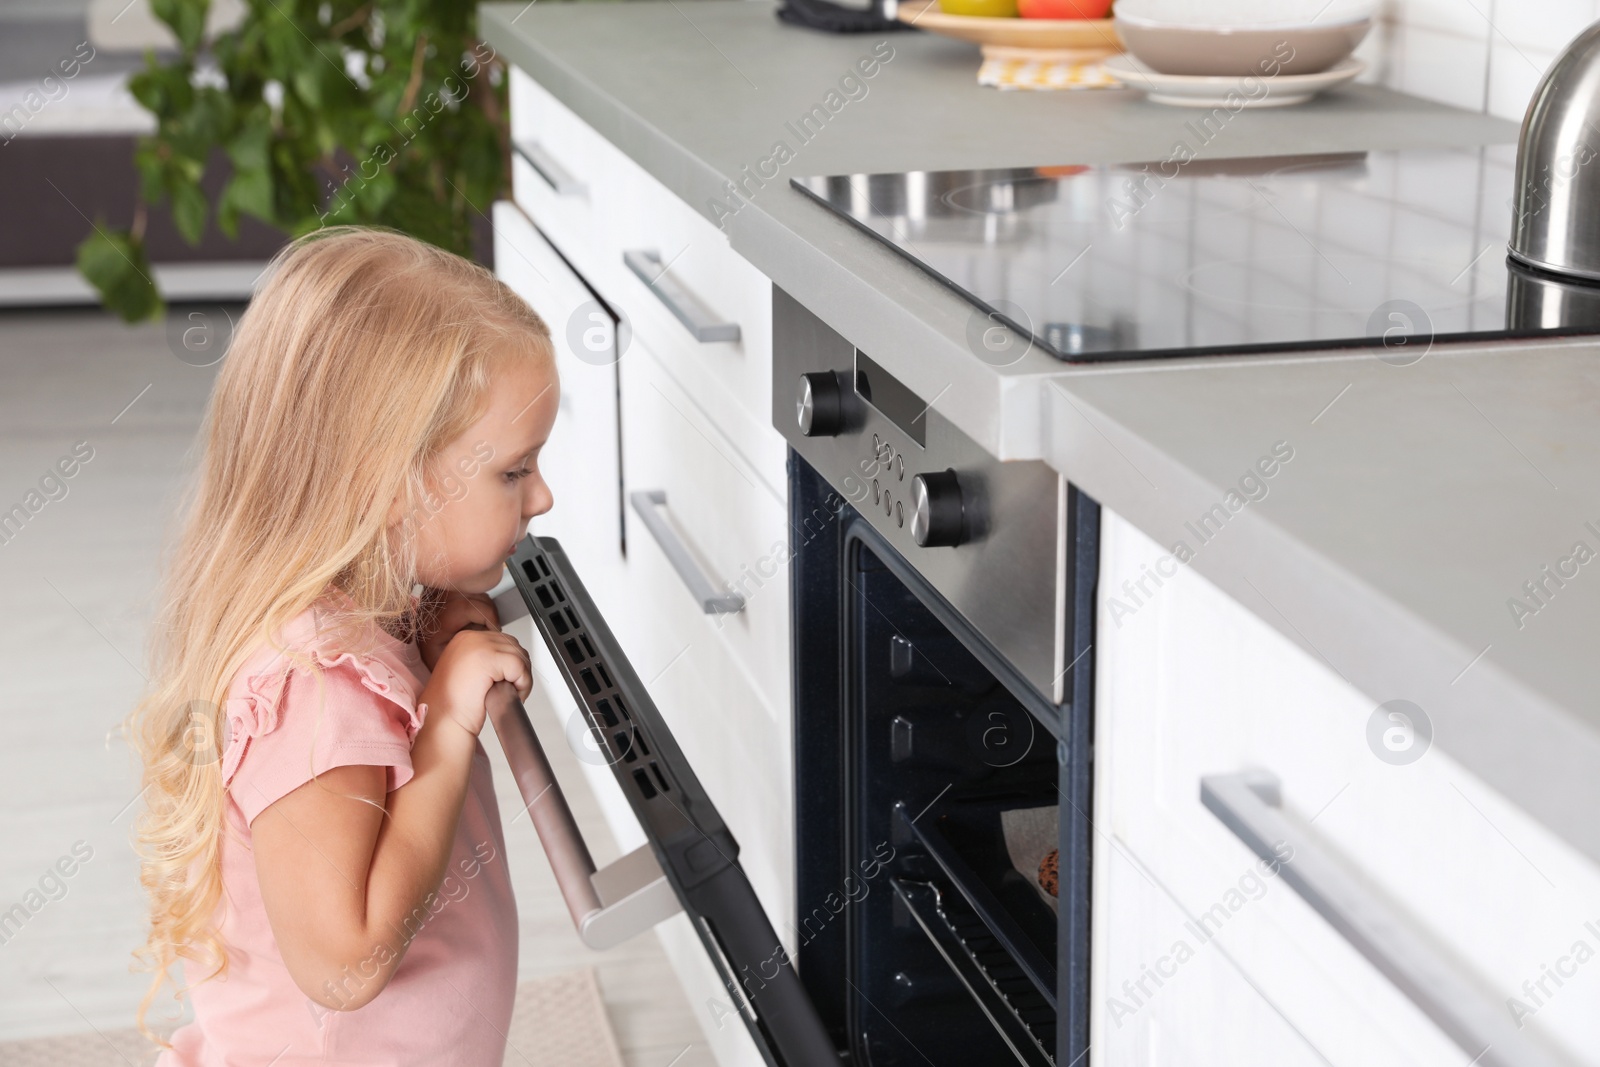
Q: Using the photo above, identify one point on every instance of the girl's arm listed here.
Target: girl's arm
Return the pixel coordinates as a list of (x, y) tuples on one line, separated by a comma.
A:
[(340, 874)]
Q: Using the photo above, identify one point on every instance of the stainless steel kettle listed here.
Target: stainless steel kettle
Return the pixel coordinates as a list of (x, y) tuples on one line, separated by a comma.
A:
[(1556, 222)]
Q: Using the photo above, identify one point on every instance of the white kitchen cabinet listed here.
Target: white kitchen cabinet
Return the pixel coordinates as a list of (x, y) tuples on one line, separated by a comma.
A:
[(696, 272), (1202, 1010), (580, 463), (1189, 684), (697, 427), (719, 680), (732, 721), (694, 422), (598, 206), (556, 170), (733, 526)]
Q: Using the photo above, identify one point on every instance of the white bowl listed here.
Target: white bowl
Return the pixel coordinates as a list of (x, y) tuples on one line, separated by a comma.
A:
[(1239, 51), (1247, 14)]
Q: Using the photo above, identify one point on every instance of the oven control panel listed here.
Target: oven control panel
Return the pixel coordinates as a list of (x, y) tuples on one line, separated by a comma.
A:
[(932, 502), (989, 536)]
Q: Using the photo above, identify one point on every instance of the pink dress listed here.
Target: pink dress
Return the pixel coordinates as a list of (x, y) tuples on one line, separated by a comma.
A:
[(450, 999)]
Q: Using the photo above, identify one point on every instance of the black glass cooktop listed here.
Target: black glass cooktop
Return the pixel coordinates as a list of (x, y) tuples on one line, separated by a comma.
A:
[(1221, 256)]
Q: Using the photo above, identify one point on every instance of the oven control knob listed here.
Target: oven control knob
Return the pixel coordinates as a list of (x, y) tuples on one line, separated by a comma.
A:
[(937, 512), (821, 405)]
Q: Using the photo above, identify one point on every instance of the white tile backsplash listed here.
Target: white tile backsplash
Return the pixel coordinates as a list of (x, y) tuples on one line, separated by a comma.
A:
[(1464, 18), (1514, 73), (1482, 55), (1543, 25), (1440, 65)]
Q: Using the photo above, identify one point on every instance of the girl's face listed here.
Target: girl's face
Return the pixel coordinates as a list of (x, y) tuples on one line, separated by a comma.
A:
[(486, 483)]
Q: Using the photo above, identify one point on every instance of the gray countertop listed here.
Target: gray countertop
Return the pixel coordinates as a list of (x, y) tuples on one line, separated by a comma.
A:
[(1416, 505)]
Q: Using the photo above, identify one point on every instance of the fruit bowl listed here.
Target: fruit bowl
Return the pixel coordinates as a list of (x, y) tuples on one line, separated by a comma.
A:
[(1060, 38)]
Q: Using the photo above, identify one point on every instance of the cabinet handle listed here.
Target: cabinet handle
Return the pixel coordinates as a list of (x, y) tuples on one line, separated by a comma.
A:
[(645, 502), (555, 175), (1250, 804), (695, 316)]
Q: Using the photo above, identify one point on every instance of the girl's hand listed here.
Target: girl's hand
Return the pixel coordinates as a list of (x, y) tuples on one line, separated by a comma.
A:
[(471, 663), (456, 612)]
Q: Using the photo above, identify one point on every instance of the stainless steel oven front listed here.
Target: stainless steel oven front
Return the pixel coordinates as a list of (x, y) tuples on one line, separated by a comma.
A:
[(943, 725)]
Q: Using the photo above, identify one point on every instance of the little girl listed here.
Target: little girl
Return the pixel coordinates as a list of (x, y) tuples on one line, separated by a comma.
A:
[(321, 845)]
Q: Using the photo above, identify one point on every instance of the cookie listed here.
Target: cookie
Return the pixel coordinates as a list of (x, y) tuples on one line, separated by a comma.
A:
[(1050, 872)]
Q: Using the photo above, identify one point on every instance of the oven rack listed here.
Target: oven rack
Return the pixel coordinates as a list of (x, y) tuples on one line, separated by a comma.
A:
[(1001, 925), (983, 943), (1008, 998)]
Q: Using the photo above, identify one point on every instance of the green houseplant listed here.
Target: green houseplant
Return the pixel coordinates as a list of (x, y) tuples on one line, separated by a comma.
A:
[(382, 112)]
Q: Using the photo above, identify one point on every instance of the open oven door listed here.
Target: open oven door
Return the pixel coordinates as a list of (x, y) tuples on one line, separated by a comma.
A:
[(690, 861)]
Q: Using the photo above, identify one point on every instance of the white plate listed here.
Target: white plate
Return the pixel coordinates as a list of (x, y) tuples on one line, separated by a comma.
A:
[(1189, 90)]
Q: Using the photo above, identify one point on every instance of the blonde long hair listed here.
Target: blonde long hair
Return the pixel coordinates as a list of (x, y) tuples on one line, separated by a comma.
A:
[(364, 353)]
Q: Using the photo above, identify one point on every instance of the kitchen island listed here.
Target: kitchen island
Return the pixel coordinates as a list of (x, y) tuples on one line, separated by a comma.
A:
[(1422, 545)]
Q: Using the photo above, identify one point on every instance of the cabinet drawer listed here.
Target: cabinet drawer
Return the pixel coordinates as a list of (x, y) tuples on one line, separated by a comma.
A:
[(553, 165), (580, 462), (721, 680), (615, 213), (681, 264), (1192, 684), (727, 528), (1173, 1006)]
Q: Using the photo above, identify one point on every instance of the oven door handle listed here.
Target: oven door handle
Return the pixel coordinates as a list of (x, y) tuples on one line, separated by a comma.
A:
[(686, 834), (646, 502), (1250, 804), (685, 307), (610, 905)]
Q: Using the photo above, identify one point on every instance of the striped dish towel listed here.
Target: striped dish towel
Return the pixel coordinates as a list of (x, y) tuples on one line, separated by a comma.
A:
[(1044, 72)]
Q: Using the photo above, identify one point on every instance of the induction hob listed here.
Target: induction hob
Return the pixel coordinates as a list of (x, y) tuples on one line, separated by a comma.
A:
[(1209, 257)]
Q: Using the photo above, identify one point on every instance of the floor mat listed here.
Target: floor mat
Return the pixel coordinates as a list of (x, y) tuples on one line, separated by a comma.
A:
[(559, 1021)]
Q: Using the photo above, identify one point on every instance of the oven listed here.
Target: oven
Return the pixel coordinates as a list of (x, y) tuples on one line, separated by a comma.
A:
[(942, 677), (942, 623)]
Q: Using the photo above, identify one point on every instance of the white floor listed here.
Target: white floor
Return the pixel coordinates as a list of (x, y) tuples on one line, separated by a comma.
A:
[(77, 581)]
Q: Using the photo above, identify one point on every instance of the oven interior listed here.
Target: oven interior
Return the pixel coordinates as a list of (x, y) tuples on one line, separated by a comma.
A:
[(922, 938)]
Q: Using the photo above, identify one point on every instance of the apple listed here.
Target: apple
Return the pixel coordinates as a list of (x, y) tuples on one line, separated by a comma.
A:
[(1063, 9)]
